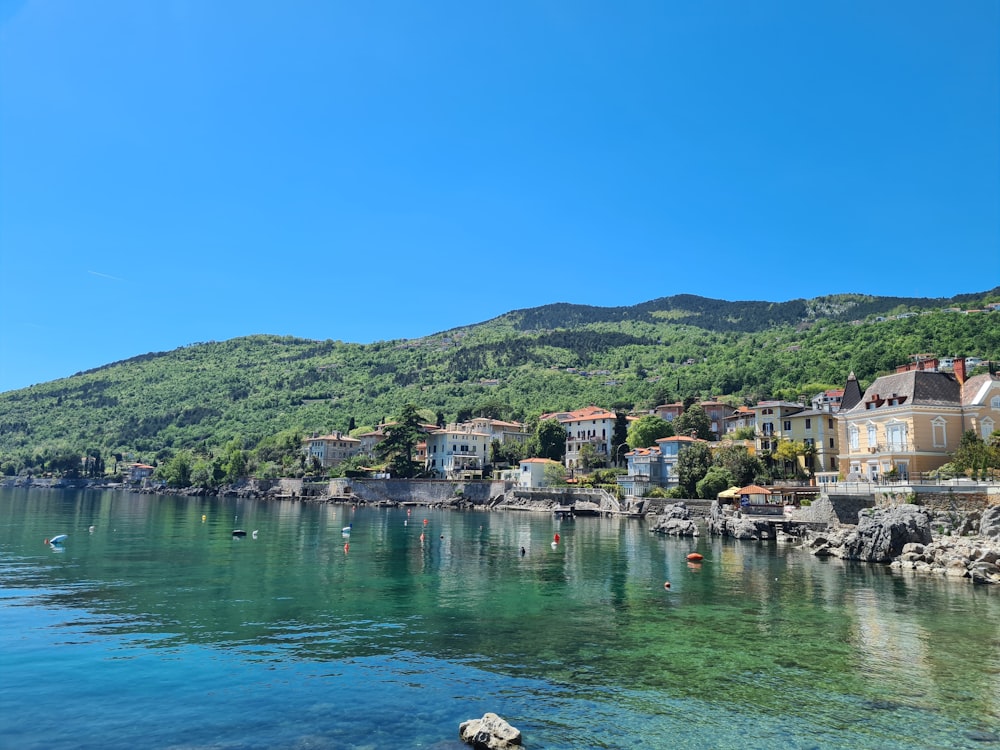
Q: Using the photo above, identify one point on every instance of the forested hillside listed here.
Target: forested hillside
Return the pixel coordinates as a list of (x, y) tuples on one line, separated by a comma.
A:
[(517, 366)]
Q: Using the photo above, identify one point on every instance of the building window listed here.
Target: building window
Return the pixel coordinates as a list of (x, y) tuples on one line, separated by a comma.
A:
[(895, 437), (987, 428), (995, 402), (939, 432), (809, 424), (829, 423), (872, 436), (852, 433), (768, 428), (831, 442), (787, 425)]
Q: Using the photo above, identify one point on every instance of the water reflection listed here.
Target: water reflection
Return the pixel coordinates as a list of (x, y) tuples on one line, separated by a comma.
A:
[(758, 629)]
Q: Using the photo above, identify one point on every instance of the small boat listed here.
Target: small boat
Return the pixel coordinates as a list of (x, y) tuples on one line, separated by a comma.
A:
[(347, 529), (239, 532), (57, 539)]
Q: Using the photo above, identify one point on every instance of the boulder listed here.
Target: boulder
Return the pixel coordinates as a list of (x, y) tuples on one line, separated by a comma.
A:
[(989, 524), (489, 733), (882, 532), (675, 527), (981, 572), (675, 520), (741, 528)]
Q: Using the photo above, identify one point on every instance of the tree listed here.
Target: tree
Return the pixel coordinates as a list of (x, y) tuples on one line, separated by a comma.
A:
[(788, 452), (554, 474), (400, 441), (716, 480), (177, 471), (589, 458), (646, 430), (234, 460), (693, 462), (694, 422), (506, 453), (551, 438), (619, 435), (742, 467), (974, 456)]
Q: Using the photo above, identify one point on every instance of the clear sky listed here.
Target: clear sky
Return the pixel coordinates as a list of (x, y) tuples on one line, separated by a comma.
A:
[(192, 170)]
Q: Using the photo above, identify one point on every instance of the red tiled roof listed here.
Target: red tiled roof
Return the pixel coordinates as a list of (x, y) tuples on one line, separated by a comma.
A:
[(589, 412)]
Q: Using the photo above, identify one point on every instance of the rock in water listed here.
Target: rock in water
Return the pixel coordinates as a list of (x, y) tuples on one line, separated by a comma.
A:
[(489, 733), (882, 532)]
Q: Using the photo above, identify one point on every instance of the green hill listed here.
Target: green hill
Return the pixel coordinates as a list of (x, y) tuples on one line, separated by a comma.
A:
[(518, 365)]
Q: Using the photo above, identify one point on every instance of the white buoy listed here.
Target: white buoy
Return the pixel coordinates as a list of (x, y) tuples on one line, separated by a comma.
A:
[(255, 533)]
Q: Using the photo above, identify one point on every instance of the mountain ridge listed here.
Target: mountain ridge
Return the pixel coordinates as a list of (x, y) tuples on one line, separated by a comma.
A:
[(516, 365)]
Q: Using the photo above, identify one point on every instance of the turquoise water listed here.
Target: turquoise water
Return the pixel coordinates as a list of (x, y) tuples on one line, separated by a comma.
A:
[(159, 629)]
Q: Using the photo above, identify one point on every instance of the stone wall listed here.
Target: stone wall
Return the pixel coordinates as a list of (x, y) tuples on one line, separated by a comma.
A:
[(425, 491), (939, 500), (697, 508), (834, 509)]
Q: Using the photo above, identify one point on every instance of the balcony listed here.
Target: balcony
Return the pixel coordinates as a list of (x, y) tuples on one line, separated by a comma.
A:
[(893, 447)]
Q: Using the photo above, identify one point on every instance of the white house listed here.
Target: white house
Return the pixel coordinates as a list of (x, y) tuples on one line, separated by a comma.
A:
[(533, 472), (588, 426), (457, 452)]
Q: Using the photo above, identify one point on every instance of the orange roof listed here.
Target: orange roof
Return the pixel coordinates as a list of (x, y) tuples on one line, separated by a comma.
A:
[(589, 412), (753, 489), (680, 439), (538, 461)]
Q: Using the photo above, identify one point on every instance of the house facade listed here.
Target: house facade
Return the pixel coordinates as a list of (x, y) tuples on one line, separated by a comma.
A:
[(532, 472), (773, 419), (817, 430), (499, 431), (589, 426), (331, 449), (913, 421), (717, 412), (457, 452), (654, 467)]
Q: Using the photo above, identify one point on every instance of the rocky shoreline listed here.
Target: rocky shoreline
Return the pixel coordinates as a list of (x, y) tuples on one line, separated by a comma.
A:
[(905, 537)]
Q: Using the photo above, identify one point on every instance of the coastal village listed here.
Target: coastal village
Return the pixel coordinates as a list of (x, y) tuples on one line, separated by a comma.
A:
[(903, 427)]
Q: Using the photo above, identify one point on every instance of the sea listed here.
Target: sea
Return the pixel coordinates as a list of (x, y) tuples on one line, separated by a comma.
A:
[(333, 626)]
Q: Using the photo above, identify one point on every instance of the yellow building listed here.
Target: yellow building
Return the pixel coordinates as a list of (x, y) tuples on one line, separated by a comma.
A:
[(912, 421)]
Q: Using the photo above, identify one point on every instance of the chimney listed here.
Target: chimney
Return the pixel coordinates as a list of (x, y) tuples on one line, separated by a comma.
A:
[(959, 368)]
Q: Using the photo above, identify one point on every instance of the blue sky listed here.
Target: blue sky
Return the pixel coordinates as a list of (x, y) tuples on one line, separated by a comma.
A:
[(193, 170)]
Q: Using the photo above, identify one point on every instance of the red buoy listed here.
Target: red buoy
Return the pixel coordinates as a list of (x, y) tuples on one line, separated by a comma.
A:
[(695, 557), (556, 539)]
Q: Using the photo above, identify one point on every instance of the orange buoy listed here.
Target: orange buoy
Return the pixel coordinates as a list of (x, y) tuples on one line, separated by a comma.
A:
[(425, 522), (556, 539), (347, 548), (695, 557)]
